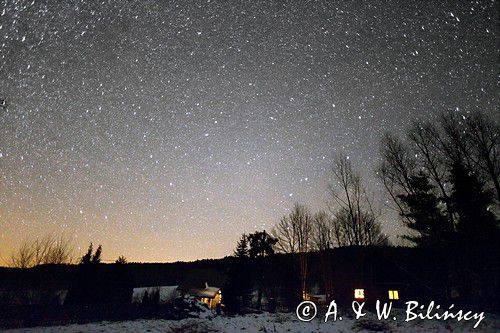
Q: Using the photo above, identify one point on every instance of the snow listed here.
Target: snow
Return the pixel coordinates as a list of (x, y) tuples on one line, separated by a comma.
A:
[(166, 293), (270, 323)]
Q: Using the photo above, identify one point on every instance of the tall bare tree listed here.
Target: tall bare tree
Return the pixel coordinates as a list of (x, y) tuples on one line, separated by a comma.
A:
[(294, 231), (396, 170), (322, 233), (482, 135), (426, 138), (473, 139), (49, 249), (355, 222), (294, 234), (323, 241), (431, 150)]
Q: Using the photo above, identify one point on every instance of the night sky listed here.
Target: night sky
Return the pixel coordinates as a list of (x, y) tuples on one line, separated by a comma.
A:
[(165, 129)]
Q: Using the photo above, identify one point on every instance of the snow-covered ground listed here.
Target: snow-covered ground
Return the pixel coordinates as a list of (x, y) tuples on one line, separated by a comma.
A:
[(271, 323)]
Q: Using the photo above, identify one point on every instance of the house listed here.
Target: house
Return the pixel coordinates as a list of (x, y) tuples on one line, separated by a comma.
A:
[(205, 285), (209, 295), (362, 274)]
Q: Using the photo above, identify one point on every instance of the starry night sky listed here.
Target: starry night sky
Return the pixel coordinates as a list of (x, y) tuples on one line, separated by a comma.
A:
[(165, 129)]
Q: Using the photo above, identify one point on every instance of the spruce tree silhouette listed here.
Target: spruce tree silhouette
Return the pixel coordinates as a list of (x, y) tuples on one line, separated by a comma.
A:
[(261, 245), (471, 201), (423, 214), (87, 257), (241, 250)]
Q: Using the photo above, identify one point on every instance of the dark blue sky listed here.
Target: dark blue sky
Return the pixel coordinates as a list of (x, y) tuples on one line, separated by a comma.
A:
[(164, 130)]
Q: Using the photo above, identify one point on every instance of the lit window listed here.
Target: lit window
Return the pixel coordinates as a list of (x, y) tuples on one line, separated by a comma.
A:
[(359, 293), (393, 294)]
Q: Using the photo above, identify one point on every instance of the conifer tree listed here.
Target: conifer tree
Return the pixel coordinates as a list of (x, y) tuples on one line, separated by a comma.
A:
[(87, 257), (423, 213), (471, 202), (261, 244), (121, 260), (241, 250), (96, 259)]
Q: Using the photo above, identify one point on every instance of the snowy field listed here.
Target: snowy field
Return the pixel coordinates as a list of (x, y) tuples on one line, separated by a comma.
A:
[(270, 323)]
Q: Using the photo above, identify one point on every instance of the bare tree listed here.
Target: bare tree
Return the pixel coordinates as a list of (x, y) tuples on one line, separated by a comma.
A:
[(49, 249), (483, 140), (294, 232), (426, 139), (474, 140), (323, 240), (355, 222), (396, 170), (453, 143), (322, 233), (431, 150), (285, 232), (398, 162)]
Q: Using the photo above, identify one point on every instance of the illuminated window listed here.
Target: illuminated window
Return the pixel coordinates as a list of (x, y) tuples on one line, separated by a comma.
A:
[(393, 294), (359, 293)]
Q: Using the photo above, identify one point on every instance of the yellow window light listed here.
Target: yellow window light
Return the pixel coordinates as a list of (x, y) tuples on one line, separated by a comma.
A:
[(359, 293), (393, 294)]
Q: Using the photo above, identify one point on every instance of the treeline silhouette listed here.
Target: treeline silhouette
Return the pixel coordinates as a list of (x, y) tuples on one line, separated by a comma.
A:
[(104, 291), (442, 178)]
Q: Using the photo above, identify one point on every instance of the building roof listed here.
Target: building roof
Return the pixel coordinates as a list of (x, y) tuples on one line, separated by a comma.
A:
[(203, 291)]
